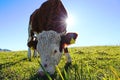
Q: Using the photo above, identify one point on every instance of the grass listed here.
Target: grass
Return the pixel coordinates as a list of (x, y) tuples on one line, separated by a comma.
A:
[(88, 63)]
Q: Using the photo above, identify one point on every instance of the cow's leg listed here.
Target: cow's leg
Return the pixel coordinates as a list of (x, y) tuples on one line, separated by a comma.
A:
[(35, 53), (69, 60), (29, 39), (29, 54)]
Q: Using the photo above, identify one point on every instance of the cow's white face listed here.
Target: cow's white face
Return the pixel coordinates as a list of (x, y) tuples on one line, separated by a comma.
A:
[(48, 47)]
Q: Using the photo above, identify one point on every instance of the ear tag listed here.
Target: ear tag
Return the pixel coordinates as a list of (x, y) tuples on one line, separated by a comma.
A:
[(72, 41)]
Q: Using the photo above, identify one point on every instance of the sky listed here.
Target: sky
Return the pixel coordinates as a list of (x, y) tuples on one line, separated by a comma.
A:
[(97, 22)]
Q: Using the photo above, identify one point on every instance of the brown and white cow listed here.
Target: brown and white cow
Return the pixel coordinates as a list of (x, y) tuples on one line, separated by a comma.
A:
[(47, 34)]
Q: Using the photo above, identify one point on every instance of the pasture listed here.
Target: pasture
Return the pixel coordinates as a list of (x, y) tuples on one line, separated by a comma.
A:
[(88, 63)]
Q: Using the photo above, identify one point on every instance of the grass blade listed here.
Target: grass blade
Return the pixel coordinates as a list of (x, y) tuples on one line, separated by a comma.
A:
[(58, 70)]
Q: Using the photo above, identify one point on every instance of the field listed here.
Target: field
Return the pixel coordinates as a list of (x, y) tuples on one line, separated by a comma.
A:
[(88, 63)]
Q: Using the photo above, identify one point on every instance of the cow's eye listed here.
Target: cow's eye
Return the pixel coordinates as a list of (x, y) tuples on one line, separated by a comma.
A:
[(55, 51)]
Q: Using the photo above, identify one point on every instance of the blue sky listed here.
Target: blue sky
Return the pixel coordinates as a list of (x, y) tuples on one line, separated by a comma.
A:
[(96, 21)]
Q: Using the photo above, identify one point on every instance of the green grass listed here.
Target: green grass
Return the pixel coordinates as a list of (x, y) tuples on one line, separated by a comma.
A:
[(88, 63)]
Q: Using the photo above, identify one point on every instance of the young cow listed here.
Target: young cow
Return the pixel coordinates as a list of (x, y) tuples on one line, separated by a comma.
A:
[(47, 34)]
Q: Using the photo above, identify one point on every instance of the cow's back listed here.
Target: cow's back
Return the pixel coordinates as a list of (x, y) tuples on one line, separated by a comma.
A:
[(50, 16)]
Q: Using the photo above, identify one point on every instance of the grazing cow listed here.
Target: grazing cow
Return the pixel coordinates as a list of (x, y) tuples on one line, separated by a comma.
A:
[(47, 34)]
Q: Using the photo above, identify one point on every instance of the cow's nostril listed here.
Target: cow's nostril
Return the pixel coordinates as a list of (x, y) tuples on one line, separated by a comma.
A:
[(45, 65)]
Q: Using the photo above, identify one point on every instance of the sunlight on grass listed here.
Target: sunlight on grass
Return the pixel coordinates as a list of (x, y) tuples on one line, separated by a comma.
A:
[(88, 63), (114, 72)]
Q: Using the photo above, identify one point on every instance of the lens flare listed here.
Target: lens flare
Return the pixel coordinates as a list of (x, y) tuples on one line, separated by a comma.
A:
[(70, 20)]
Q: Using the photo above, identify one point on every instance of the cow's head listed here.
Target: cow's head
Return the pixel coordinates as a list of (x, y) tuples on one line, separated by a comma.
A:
[(50, 45)]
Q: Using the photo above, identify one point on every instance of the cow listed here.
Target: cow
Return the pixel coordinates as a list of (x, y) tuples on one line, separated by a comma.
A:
[(47, 35)]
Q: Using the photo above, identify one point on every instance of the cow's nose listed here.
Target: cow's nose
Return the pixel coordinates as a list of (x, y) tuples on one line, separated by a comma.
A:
[(45, 65)]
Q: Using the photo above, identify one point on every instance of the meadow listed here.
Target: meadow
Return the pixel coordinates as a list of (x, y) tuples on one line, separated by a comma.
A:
[(88, 63)]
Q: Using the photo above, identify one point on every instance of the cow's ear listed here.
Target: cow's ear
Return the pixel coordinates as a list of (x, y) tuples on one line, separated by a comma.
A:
[(33, 43), (69, 38)]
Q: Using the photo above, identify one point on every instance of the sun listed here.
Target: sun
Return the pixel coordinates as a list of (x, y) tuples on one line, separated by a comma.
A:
[(70, 20)]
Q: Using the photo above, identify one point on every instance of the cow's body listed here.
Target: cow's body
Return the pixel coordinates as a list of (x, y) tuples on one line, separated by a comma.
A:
[(50, 16), (48, 19)]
